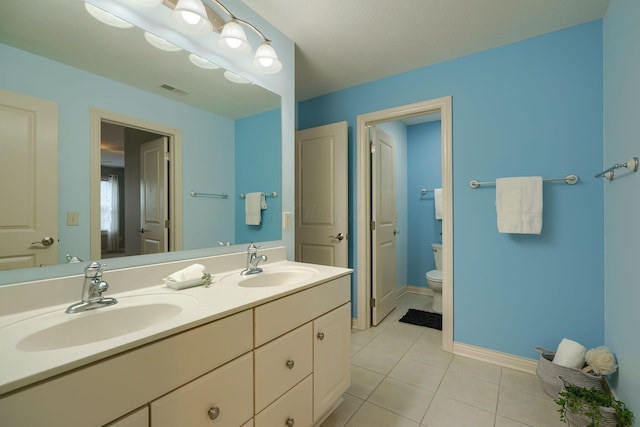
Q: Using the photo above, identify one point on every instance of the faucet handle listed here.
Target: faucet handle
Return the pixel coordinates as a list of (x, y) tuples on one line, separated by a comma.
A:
[(93, 270), (102, 287), (252, 249)]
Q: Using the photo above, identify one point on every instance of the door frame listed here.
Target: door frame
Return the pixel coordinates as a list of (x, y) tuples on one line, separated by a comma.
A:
[(175, 174), (363, 190)]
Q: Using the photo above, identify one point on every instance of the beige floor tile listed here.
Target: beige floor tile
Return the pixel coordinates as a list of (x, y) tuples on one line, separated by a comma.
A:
[(472, 391), (429, 354), (363, 337), (402, 398), (370, 415), (521, 381), (528, 409), (363, 382), (375, 360), (421, 375), (506, 422), (476, 368), (344, 412), (400, 329), (393, 345), (355, 348), (445, 412)]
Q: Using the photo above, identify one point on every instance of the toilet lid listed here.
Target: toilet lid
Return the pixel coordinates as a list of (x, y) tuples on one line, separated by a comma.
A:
[(435, 275)]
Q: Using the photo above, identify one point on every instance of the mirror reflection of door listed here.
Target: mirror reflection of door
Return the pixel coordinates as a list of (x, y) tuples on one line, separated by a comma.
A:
[(123, 192)]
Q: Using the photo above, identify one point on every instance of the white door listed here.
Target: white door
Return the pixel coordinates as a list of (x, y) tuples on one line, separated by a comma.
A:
[(383, 235), (28, 181), (321, 195), (154, 213)]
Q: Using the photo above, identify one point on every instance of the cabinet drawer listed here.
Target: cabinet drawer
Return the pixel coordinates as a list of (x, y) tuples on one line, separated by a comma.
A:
[(295, 405), (129, 380), (277, 317), (228, 390), (139, 418), (281, 364)]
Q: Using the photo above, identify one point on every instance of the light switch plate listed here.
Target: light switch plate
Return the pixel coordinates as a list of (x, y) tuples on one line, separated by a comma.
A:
[(286, 220), (73, 218)]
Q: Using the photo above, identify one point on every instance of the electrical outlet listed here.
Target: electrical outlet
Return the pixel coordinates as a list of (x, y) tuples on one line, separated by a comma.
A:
[(73, 218)]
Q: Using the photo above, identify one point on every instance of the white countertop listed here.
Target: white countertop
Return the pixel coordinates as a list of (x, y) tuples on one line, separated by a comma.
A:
[(224, 297)]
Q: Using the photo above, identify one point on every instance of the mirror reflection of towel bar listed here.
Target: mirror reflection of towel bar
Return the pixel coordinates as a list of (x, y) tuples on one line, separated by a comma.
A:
[(274, 194), (569, 179), (216, 195)]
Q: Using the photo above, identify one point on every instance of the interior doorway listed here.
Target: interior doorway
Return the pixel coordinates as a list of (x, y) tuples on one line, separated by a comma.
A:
[(441, 106), (118, 172)]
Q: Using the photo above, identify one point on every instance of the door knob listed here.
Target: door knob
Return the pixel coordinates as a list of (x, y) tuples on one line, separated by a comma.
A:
[(141, 231), (340, 236), (396, 232), (46, 241)]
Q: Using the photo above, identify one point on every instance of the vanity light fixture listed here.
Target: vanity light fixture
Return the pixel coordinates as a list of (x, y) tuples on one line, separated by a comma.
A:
[(201, 62), (191, 16), (106, 17), (160, 43)]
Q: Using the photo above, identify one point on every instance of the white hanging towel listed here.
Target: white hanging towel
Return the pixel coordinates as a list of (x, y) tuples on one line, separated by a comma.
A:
[(254, 203), (519, 204), (437, 202)]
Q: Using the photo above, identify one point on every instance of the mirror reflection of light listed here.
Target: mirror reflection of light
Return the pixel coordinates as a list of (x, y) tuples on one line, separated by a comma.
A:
[(106, 17), (201, 62), (160, 43)]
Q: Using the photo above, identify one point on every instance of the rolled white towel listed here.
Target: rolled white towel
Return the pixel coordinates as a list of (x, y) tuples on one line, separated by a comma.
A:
[(570, 354), (193, 272)]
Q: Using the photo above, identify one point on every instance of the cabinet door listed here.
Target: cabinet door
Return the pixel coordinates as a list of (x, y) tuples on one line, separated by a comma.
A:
[(331, 358), (220, 398)]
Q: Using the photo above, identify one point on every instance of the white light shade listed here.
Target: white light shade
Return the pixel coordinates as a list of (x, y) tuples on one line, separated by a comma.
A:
[(233, 40), (233, 77), (266, 60), (191, 16), (160, 43), (106, 17), (201, 62), (146, 3)]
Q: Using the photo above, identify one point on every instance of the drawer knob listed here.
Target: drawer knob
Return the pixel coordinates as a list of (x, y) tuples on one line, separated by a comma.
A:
[(214, 412), (290, 364), (320, 336), (290, 422)]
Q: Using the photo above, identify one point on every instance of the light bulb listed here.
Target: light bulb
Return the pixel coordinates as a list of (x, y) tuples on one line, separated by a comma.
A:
[(233, 43), (190, 17), (266, 62)]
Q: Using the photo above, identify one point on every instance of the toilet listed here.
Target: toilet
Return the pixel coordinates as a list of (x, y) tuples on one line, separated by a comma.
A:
[(434, 278)]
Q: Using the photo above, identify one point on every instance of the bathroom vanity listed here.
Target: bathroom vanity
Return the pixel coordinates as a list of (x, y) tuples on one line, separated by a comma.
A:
[(262, 352)]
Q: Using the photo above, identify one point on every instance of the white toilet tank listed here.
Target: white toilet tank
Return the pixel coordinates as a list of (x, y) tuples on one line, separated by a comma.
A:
[(437, 255)]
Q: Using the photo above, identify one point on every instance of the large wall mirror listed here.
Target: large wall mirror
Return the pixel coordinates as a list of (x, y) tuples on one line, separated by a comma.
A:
[(224, 138)]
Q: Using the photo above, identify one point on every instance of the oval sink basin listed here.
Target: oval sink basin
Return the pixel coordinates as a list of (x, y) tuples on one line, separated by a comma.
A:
[(131, 314), (277, 278)]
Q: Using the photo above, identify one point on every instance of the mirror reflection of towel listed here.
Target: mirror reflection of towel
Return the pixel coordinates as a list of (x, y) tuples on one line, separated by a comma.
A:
[(254, 203)]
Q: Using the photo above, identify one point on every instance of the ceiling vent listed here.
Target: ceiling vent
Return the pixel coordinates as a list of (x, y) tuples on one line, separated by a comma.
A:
[(173, 89)]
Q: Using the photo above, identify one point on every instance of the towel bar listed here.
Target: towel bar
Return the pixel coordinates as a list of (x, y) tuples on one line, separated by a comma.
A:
[(569, 179), (631, 164), (274, 194)]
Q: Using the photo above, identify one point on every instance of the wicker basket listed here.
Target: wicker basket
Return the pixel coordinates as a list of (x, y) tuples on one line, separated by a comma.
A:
[(579, 420), (549, 373)]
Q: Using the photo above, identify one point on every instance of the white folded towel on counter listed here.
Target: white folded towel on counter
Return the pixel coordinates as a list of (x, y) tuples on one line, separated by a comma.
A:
[(193, 272), (437, 202), (519, 204), (570, 354), (254, 203)]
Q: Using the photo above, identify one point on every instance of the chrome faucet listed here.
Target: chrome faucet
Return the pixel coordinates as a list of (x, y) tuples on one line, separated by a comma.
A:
[(92, 290), (253, 260)]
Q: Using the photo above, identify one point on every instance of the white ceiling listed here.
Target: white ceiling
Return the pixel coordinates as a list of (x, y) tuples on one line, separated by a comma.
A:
[(343, 43)]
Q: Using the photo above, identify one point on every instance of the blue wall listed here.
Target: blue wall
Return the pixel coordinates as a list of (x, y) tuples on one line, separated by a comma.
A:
[(424, 170), (258, 157), (622, 233), (529, 108)]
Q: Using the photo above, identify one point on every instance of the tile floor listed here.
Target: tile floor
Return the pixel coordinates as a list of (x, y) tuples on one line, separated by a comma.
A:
[(400, 377)]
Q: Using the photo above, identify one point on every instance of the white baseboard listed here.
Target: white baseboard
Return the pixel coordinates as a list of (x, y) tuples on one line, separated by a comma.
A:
[(506, 360), (413, 290)]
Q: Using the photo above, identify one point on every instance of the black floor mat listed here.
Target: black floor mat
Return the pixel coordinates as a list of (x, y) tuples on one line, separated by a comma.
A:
[(423, 318)]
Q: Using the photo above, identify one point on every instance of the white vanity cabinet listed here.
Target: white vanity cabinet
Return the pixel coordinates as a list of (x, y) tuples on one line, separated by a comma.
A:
[(284, 362)]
